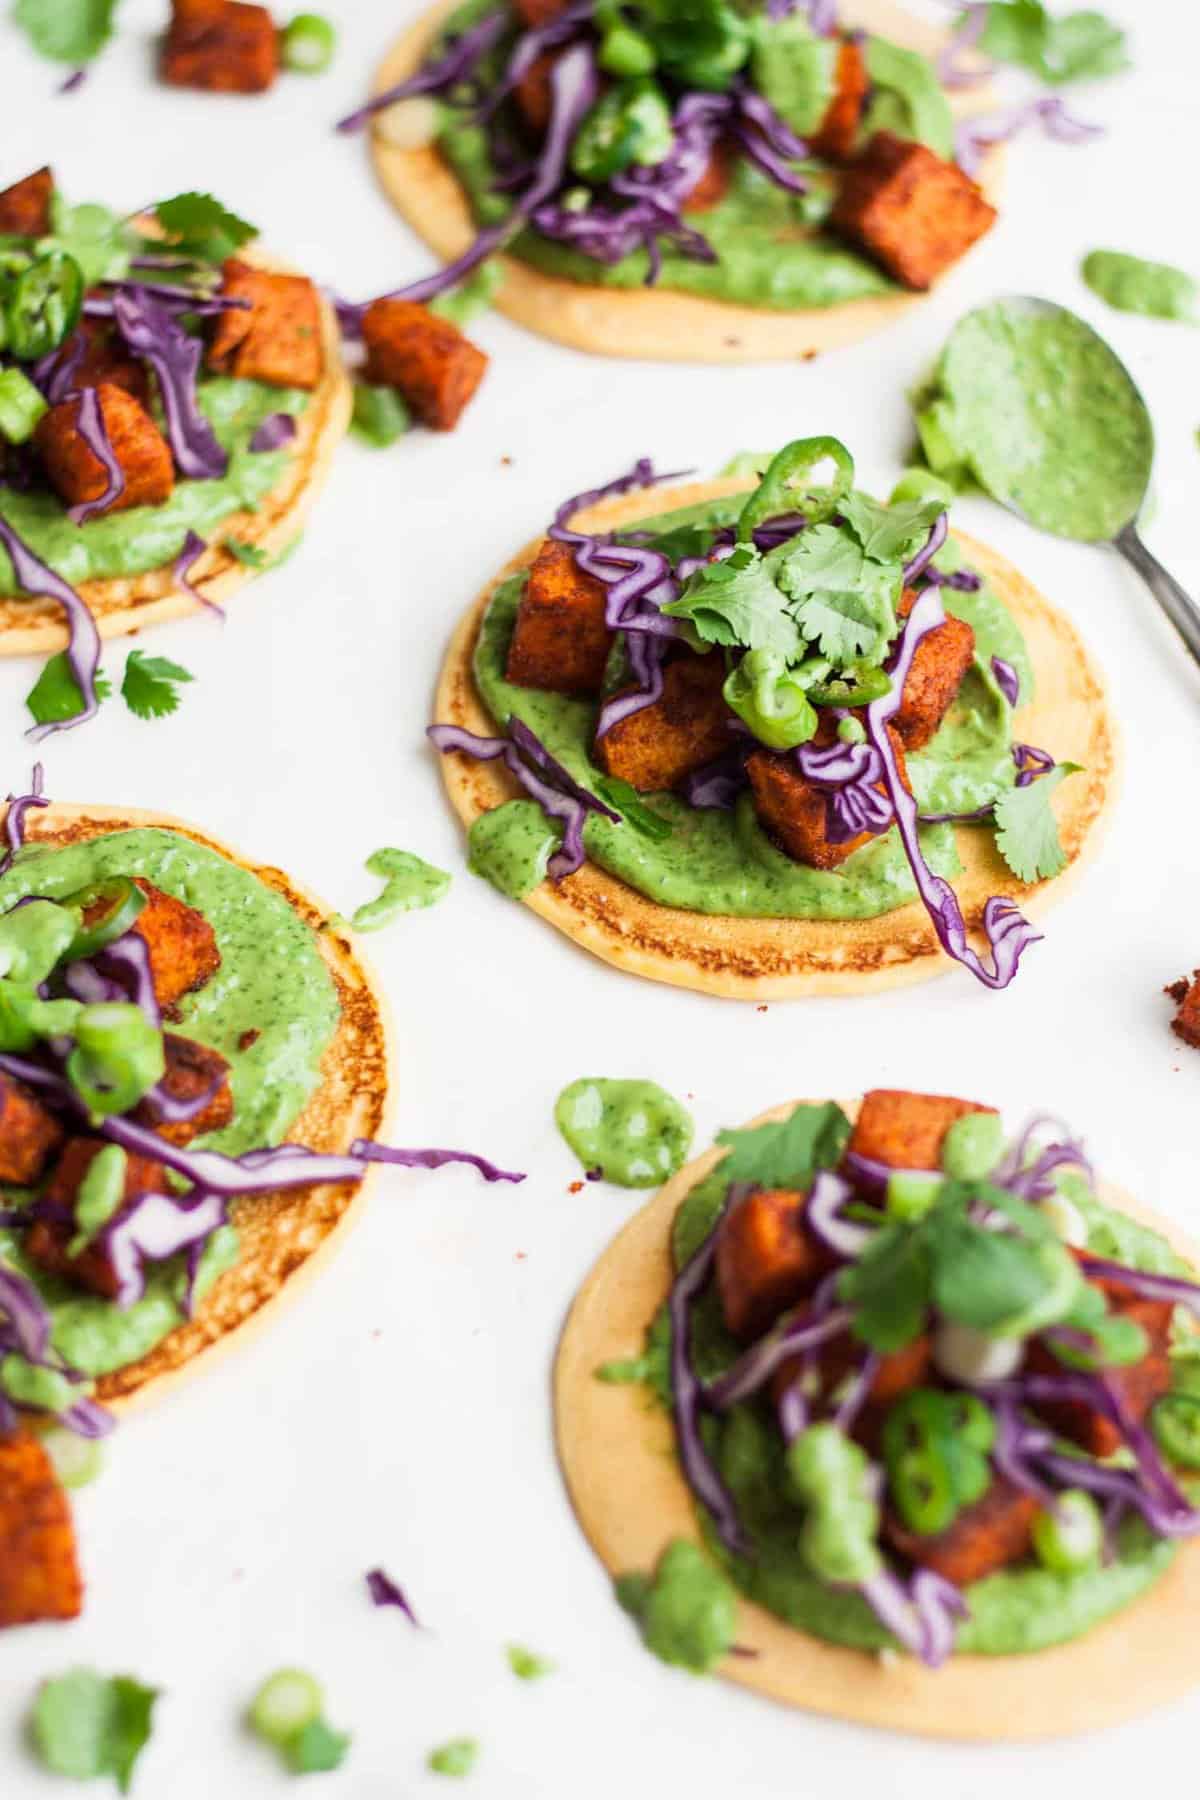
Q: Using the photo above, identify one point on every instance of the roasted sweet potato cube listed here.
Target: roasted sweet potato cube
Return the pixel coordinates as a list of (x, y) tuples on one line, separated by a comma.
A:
[(560, 640), (181, 942), (894, 1375), (1186, 995), (910, 211), (192, 1071), (943, 657), (534, 13), (766, 1260), (76, 474), (48, 1241), (28, 1133), (277, 338), (835, 135), (427, 358), (796, 813), (687, 727), (25, 206), (995, 1531), (906, 1131), (229, 48), (105, 361), (39, 1568), (713, 184), (534, 94)]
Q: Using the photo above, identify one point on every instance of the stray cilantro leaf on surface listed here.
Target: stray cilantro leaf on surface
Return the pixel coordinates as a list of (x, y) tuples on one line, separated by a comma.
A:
[(317, 1748), (526, 1665), (784, 1152), (458, 1757), (625, 799), (55, 694), (200, 226), (248, 554), (69, 31), (1076, 46), (86, 1725), (1026, 829), (149, 686), (736, 601)]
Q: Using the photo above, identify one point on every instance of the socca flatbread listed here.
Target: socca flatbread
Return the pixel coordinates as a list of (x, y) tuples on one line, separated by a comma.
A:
[(31, 625), (617, 1453), (763, 959), (284, 1237), (654, 324)]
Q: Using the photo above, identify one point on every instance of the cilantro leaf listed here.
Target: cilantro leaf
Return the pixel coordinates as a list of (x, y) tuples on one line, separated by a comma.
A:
[(841, 625), (200, 226), (889, 1287), (458, 1757), (1078, 46), (526, 1665), (626, 800), (70, 31), (785, 1152), (890, 533), (87, 1725), (55, 694), (844, 600), (316, 1748), (1026, 829), (736, 602), (822, 557), (99, 241), (248, 554), (907, 98), (149, 685)]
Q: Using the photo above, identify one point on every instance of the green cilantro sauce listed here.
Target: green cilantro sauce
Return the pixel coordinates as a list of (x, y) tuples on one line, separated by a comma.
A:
[(770, 249), (409, 883), (272, 982), (147, 537), (634, 1132), (715, 862), (1036, 406), (1157, 290), (1013, 1611)]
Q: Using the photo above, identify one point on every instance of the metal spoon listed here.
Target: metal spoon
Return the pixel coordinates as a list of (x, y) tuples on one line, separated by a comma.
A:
[(1112, 398)]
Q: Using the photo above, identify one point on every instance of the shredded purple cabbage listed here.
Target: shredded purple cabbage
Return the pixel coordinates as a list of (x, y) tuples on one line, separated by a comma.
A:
[(385, 1592), (55, 372), (718, 785), (952, 72), (430, 1159), (14, 819), (849, 775), (456, 64), (74, 81), (975, 136), (688, 1396), (1007, 679), (938, 533), (194, 547), (544, 779), (89, 422), (152, 1228), (794, 1334), (154, 335), (964, 581), (83, 647), (1008, 933), (25, 1332), (276, 430)]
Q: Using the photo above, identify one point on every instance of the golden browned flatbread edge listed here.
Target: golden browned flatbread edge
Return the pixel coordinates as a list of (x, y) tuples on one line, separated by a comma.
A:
[(765, 959), (653, 324), (32, 625), (617, 1455), (285, 1237)]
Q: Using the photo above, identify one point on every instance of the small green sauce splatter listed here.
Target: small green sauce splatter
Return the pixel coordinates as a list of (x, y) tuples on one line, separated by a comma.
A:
[(511, 845), (634, 1132), (458, 1757), (526, 1665), (409, 883), (1157, 290), (686, 1612)]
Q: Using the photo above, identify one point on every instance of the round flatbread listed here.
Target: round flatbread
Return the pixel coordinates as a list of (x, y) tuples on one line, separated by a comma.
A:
[(618, 1457), (654, 324), (761, 959), (284, 1236), (33, 626)]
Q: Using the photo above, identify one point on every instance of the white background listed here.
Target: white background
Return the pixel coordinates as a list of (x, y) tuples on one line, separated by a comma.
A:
[(399, 1412)]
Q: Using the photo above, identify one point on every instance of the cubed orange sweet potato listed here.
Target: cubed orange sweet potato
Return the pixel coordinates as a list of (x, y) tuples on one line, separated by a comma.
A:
[(685, 728), (1186, 995), (560, 641), (766, 1260), (534, 13), (48, 1240), (39, 1568), (942, 659), (277, 338), (995, 1531), (796, 813), (25, 206), (77, 475), (913, 213), (106, 362), (713, 184), (835, 135), (835, 1363), (181, 942), (191, 1071), (534, 94), (906, 1131), (428, 359), (226, 48), (29, 1134)]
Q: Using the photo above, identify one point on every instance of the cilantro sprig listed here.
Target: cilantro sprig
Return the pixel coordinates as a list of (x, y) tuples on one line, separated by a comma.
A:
[(67, 31), (1026, 829), (199, 225), (1074, 46), (148, 688)]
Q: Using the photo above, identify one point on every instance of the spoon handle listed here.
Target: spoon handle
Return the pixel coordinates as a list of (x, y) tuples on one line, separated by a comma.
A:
[(1178, 605)]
